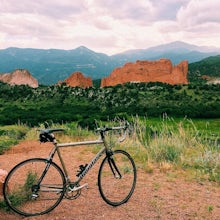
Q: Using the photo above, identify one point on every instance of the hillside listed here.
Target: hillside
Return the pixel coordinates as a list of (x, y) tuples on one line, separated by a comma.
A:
[(51, 65), (208, 67)]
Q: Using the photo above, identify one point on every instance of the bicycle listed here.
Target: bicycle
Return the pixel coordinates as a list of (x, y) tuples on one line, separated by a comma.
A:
[(44, 183)]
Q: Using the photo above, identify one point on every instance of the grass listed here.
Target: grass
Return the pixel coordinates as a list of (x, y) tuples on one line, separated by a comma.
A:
[(183, 144), (11, 135), (22, 193)]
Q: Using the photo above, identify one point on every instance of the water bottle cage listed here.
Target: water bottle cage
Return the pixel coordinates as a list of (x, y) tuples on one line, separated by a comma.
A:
[(81, 169)]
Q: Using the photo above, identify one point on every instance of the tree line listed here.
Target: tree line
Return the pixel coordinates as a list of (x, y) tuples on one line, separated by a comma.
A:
[(60, 103)]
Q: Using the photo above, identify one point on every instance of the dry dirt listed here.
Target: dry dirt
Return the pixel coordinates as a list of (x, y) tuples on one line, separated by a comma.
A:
[(158, 195)]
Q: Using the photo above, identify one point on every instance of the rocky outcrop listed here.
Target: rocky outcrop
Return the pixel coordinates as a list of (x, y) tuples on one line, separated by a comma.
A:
[(148, 71), (78, 79), (211, 79), (19, 77), (3, 174)]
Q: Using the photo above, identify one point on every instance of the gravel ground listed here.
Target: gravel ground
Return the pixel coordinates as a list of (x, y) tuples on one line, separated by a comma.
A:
[(158, 195)]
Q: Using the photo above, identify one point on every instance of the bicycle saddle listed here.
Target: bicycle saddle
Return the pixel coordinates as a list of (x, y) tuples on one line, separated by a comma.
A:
[(47, 135)]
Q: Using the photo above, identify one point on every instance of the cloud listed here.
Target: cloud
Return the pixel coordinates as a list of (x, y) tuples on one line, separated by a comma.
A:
[(198, 12), (197, 21), (51, 8), (36, 23), (108, 26), (167, 9), (139, 10)]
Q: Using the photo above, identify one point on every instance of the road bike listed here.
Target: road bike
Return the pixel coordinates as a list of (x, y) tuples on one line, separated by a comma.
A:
[(37, 185)]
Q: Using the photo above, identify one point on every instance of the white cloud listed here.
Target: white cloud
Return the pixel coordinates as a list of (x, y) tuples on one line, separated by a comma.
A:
[(199, 12), (51, 8), (167, 9), (200, 21), (108, 26), (139, 10)]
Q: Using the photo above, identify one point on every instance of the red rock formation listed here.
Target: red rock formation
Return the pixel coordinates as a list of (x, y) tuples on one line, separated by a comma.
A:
[(148, 71), (19, 77), (77, 79), (3, 174)]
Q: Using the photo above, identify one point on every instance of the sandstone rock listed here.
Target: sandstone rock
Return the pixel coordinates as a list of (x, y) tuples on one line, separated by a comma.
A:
[(3, 174), (77, 79), (19, 77), (148, 71)]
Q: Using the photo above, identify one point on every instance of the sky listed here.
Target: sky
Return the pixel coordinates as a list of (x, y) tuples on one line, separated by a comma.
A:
[(108, 26)]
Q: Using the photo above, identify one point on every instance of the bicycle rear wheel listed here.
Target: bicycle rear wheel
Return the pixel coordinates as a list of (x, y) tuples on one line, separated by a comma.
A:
[(24, 194), (117, 178)]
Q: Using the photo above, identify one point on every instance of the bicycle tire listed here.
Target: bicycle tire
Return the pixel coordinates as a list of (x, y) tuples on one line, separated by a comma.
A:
[(117, 178), (22, 180)]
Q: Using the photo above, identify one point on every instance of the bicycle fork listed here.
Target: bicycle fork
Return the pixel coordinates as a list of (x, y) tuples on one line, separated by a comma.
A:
[(114, 167)]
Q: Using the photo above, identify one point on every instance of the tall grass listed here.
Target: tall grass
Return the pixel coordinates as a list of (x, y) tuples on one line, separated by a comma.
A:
[(180, 144)]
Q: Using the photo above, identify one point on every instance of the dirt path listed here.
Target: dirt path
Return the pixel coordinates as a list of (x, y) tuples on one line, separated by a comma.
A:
[(157, 195)]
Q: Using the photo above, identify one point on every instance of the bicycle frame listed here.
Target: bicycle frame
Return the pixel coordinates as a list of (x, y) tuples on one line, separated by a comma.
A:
[(57, 147), (76, 144)]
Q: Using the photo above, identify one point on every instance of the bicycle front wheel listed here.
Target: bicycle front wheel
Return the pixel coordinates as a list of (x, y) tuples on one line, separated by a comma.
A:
[(34, 187), (117, 178)]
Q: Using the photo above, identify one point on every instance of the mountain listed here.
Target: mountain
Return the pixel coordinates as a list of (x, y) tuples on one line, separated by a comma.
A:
[(209, 66), (175, 51), (51, 65)]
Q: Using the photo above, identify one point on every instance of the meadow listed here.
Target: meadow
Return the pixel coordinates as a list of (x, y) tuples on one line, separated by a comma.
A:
[(168, 144)]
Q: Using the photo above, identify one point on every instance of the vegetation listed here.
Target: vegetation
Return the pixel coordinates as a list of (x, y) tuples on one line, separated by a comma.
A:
[(190, 145), (22, 104), (209, 66), (22, 193), (10, 135), (182, 144)]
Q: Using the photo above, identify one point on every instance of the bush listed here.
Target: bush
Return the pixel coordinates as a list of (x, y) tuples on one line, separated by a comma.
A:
[(10, 135), (164, 152)]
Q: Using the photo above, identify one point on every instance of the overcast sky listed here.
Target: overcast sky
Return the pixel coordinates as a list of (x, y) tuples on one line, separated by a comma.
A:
[(108, 26)]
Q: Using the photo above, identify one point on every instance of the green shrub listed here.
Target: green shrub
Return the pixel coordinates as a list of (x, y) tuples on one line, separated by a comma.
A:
[(164, 152), (11, 135), (6, 143)]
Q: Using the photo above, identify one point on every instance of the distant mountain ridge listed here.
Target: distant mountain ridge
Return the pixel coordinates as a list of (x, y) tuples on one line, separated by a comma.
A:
[(175, 51), (51, 65)]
